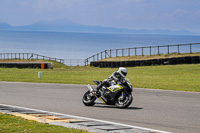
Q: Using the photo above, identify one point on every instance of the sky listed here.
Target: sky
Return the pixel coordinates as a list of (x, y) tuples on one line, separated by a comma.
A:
[(133, 14)]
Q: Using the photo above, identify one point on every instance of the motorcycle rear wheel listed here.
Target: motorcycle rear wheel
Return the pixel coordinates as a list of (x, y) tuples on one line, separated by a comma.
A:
[(88, 101), (124, 103)]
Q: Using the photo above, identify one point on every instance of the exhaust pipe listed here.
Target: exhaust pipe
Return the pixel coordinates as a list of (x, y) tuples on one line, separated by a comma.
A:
[(91, 90)]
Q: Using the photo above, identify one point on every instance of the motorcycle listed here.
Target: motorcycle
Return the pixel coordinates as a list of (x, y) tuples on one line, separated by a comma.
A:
[(117, 94)]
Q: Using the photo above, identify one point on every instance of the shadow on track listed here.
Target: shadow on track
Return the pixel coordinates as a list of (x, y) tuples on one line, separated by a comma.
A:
[(129, 108)]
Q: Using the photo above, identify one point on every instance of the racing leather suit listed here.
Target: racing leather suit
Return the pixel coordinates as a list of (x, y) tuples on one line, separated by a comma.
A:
[(116, 76)]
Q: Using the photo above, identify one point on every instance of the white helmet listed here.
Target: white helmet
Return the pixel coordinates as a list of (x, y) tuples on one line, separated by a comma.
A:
[(122, 71)]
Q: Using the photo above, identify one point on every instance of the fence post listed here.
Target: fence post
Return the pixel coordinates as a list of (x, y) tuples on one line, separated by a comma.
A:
[(122, 52), (178, 49), (150, 50), (93, 58), (101, 55), (135, 52), (158, 50), (105, 54), (190, 48), (142, 51), (129, 52), (110, 53), (31, 56), (116, 52), (168, 49)]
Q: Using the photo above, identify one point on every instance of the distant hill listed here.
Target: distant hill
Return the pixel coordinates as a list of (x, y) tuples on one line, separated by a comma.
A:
[(65, 25), (4, 26)]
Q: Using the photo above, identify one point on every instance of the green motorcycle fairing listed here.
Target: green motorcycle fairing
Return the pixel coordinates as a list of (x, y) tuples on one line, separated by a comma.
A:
[(114, 90)]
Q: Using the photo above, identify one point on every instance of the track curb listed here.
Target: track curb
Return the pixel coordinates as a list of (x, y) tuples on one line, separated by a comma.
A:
[(70, 121)]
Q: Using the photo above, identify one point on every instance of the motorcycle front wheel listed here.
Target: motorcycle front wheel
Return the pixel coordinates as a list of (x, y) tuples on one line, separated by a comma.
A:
[(88, 99), (124, 102)]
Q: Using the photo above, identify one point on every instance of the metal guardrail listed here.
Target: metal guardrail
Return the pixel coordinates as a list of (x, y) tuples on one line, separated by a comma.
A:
[(32, 56), (28, 56), (150, 50)]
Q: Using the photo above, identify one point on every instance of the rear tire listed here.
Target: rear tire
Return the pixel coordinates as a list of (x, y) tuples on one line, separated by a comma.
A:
[(88, 101), (125, 102)]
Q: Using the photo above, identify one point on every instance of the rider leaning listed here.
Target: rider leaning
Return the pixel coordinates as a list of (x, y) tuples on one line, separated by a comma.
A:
[(117, 77)]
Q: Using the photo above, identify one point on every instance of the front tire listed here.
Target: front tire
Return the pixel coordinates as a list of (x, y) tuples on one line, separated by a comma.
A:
[(125, 102), (88, 100)]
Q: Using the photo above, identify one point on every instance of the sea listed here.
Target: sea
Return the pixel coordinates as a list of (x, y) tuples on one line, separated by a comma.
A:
[(76, 46)]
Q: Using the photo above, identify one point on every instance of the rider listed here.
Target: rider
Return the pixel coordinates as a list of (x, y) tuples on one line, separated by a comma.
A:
[(117, 76)]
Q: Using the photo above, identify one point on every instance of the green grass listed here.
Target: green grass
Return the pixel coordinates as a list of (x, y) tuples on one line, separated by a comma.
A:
[(13, 124), (169, 77)]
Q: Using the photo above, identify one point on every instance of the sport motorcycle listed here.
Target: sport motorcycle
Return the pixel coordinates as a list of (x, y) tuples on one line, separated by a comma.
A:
[(119, 94)]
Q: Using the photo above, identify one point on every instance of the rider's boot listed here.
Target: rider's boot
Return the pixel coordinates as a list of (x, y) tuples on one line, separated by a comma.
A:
[(96, 90)]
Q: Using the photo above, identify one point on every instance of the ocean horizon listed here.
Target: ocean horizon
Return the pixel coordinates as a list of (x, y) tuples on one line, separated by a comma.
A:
[(79, 45)]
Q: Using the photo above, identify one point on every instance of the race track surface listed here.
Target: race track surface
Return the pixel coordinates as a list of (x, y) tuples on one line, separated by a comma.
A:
[(170, 111)]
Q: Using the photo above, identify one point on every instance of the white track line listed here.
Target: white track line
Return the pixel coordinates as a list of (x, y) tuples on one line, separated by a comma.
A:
[(114, 123)]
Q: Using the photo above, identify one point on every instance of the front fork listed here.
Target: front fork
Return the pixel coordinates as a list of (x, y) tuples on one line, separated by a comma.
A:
[(123, 95)]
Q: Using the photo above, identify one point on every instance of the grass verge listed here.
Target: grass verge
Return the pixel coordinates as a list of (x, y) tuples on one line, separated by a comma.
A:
[(169, 77), (13, 124)]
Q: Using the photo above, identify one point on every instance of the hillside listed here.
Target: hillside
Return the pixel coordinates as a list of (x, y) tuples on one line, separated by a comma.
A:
[(65, 25)]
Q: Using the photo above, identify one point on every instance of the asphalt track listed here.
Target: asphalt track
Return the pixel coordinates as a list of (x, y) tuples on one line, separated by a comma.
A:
[(170, 111)]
